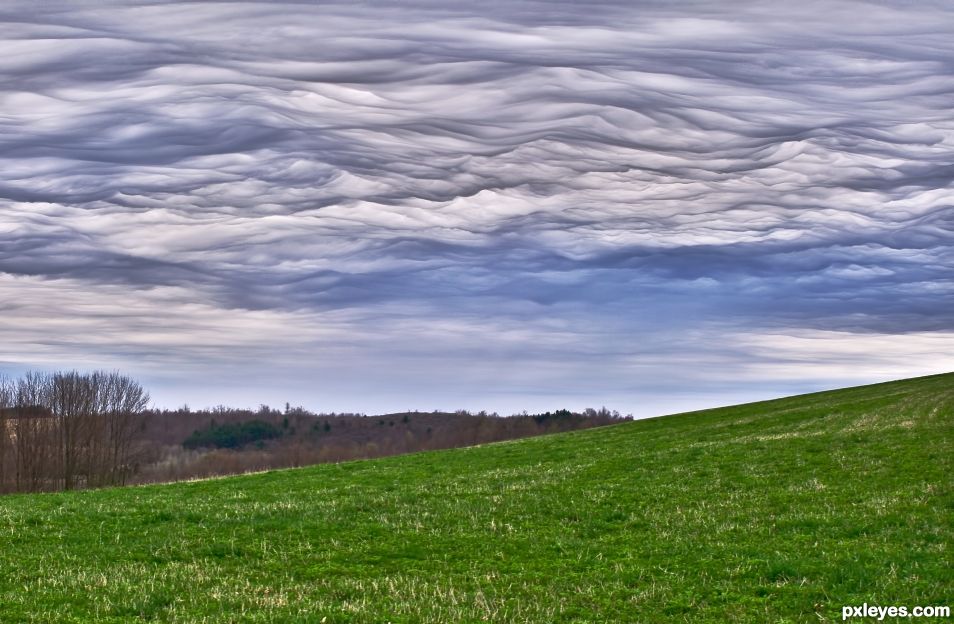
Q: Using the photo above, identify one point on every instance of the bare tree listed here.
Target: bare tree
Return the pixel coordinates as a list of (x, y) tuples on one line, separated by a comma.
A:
[(72, 402), (122, 402), (68, 430), (6, 409), (33, 434)]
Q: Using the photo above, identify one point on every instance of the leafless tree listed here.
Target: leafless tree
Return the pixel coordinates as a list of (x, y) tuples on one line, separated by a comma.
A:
[(72, 401), (6, 409), (33, 434), (68, 430), (121, 403)]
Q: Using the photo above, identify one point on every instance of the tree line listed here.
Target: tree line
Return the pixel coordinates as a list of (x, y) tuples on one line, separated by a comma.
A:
[(68, 430), (186, 443)]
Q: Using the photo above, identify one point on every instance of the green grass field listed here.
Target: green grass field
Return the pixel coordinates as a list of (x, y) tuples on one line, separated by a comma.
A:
[(781, 511)]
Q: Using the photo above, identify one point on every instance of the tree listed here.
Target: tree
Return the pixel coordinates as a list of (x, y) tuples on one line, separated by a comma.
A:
[(65, 430), (6, 407), (122, 400)]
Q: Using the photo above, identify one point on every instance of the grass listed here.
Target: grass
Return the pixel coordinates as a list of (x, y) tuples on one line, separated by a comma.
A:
[(780, 511)]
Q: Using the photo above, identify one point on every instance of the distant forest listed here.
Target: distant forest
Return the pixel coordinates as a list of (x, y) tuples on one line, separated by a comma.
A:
[(63, 431)]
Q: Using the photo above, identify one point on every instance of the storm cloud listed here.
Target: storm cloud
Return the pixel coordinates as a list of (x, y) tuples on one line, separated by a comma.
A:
[(517, 203)]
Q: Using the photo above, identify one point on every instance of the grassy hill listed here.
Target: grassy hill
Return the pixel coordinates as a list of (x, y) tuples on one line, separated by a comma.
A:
[(780, 511)]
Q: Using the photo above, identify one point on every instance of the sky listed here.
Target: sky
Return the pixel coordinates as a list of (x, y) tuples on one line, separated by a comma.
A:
[(501, 205)]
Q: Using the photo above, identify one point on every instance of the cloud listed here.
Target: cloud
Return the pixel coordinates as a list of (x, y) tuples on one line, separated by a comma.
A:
[(642, 170)]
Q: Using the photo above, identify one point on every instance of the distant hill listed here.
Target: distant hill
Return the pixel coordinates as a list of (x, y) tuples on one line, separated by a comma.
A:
[(779, 511)]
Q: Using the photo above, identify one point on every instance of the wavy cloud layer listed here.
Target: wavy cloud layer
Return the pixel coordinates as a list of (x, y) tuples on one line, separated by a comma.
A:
[(516, 200)]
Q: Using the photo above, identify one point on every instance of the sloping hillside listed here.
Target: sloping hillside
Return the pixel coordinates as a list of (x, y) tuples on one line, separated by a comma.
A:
[(781, 511)]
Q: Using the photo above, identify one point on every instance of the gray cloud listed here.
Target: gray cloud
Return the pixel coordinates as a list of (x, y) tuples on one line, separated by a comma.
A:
[(623, 169)]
